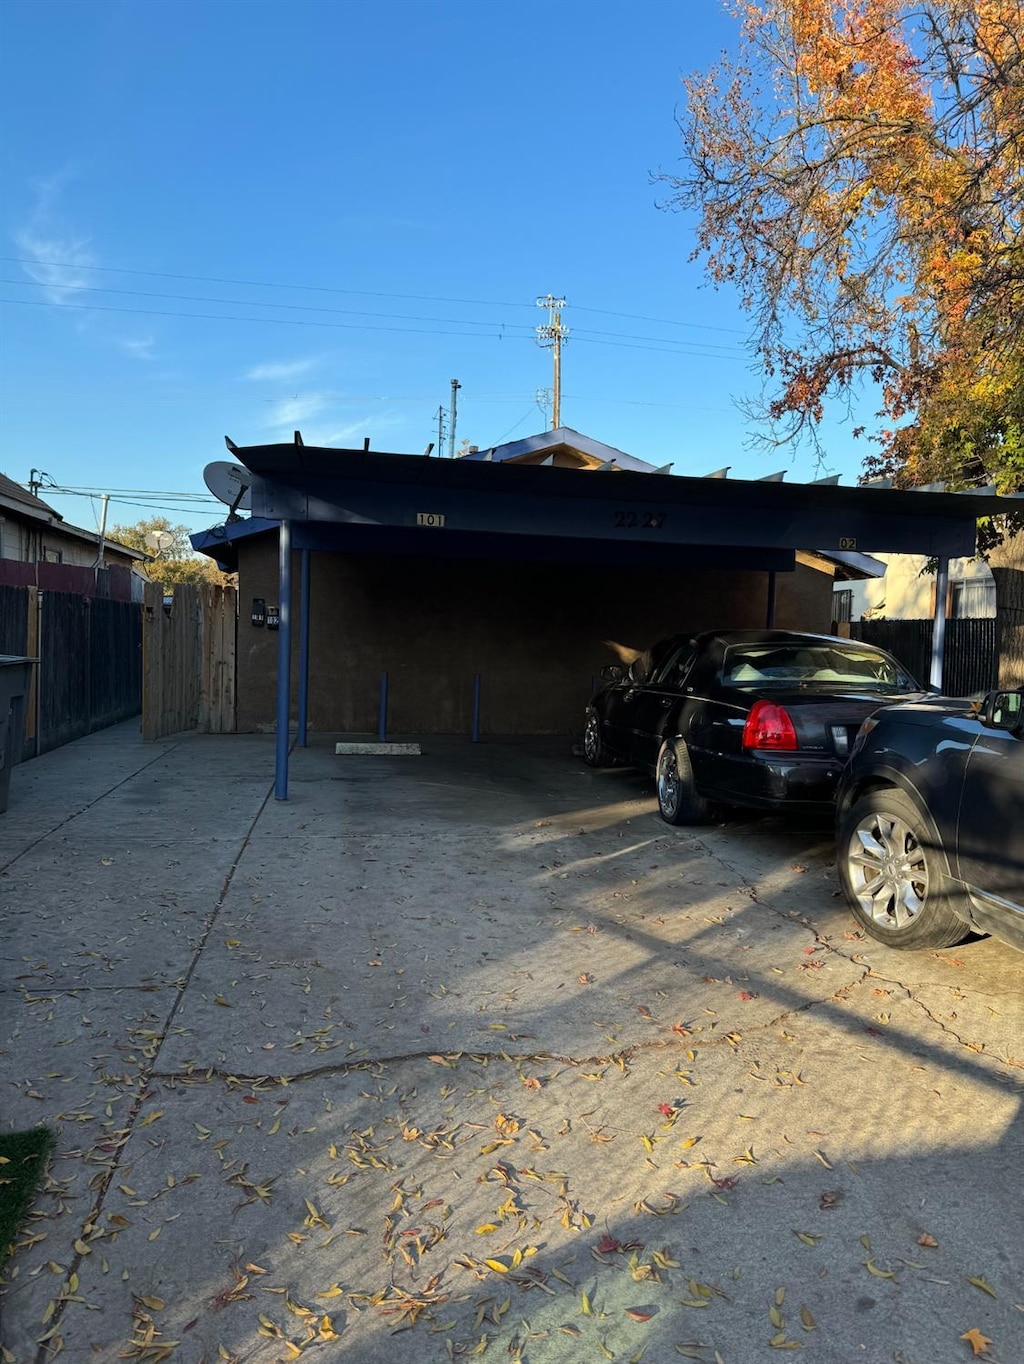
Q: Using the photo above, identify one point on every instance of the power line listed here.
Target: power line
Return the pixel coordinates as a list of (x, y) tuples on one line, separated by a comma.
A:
[(668, 347), (363, 293), (255, 303), (346, 312)]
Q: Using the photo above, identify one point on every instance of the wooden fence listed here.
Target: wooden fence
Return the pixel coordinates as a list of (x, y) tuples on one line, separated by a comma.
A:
[(89, 650), (971, 662), (188, 660)]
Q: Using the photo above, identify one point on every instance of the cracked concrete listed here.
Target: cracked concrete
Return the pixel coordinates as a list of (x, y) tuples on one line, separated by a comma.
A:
[(472, 1054)]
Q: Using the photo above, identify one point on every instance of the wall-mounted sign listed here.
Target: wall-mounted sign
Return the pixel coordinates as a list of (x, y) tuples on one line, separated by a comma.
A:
[(430, 518), (273, 618), (847, 542)]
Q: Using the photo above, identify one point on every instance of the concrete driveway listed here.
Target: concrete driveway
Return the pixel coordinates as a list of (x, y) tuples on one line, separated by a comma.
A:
[(470, 1054)]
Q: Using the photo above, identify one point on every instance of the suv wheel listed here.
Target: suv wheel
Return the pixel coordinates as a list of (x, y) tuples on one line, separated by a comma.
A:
[(893, 877)]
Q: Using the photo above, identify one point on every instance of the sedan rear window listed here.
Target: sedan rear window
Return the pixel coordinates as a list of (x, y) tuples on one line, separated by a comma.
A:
[(761, 665)]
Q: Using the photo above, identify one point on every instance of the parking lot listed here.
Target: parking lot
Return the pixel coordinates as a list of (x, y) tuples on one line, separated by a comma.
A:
[(473, 1054)]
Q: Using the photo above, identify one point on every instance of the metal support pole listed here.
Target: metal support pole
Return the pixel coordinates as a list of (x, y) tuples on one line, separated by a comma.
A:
[(284, 660), (476, 709), (303, 648), (382, 723), (770, 614), (939, 621), (453, 418)]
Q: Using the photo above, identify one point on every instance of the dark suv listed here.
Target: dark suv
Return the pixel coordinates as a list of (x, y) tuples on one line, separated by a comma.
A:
[(930, 819)]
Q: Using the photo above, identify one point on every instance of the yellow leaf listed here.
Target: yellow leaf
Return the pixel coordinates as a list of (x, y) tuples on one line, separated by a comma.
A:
[(780, 1296), (585, 1304), (775, 1316), (154, 1304), (872, 1268), (154, 1234), (978, 1343), (823, 1160), (486, 1227), (335, 1291), (219, 999), (152, 1117), (807, 1320), (497, 1266)]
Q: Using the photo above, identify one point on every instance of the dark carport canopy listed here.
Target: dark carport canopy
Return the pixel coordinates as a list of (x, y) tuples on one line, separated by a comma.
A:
[(353, 500)]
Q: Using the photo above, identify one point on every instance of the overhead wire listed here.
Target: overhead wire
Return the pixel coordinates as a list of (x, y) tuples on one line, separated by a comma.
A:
[(668, 347), (364, 293)]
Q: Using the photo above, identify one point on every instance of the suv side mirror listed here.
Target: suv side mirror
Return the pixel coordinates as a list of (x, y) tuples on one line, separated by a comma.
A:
[(612, 672), (1005, 710)]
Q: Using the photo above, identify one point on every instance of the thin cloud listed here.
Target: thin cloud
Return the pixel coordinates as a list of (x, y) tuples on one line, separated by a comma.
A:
[(60, 282), (140, 348), (44, 241), (289, 411), (281, 369)]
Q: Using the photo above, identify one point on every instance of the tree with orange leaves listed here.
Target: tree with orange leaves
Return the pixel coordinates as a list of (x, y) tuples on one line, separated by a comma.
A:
[(858, 172)]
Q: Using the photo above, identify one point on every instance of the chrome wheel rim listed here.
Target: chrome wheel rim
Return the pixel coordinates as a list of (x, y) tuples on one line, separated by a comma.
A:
[(668, 782), (887, 871), (592, 737)]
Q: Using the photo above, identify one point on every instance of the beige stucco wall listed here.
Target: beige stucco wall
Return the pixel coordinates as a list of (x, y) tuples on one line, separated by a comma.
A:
[(533, 632), (907, 592)]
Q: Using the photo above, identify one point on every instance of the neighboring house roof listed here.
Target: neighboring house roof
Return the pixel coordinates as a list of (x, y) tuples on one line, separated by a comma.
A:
[(549, 444), (26, 506), (17, 498)]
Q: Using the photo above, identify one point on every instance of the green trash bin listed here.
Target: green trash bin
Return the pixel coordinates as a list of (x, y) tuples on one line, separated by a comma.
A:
[(15, 677)]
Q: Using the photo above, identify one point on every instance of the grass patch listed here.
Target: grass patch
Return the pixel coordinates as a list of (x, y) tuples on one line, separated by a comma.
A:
[(23, 1157)]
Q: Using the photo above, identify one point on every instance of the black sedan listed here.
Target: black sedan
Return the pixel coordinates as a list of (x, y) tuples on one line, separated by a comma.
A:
[(762, 718), (931, 822)]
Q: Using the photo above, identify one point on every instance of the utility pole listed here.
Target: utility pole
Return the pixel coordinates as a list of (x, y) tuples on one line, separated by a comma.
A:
[(550, 336), (454, 410), (35, 481), (440, 429), (105, 499)]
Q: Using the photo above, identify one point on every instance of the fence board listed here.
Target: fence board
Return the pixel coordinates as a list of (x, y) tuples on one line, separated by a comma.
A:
[(971, 659), (13, 620)]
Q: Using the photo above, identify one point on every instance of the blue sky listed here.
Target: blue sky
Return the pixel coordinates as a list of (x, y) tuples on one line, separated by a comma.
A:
[(355, 202)]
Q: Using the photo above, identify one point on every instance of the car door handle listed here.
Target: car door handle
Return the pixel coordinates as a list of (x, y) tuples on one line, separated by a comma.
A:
[(666, 701)]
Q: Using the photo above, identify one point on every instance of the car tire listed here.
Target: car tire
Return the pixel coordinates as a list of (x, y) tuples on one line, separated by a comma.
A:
[(893, 875), (594, 752), (679, 801)]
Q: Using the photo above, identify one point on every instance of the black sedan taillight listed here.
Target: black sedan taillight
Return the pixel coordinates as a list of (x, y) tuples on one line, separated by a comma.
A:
[(769, 727)]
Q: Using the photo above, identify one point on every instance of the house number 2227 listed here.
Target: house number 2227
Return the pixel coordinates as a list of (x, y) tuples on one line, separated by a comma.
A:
[(639, 520)]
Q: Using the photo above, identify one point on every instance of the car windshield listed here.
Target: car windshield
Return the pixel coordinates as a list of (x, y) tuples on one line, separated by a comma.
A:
[(813, 664)]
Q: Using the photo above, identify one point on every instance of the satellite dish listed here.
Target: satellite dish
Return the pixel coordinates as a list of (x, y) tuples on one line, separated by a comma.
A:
[(159, 540), (229, 483)]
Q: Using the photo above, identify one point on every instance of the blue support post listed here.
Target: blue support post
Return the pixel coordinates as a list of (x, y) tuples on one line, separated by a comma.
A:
[(303, 648), (284, 660), (939, 621), (382, 723), (770, 614), (476, 709)]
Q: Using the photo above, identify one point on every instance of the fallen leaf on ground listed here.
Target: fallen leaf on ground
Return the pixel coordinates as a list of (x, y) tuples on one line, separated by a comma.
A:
[(978, 1343), (925, 1240), (983, 1284)]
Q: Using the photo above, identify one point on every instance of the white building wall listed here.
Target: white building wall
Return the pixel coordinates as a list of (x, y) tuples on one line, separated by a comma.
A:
[(907, 590)]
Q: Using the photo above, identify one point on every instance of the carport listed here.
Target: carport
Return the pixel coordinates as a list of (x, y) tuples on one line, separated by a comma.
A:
[(414, 507)]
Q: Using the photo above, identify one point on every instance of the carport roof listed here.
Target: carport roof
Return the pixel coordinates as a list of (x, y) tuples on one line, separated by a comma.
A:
[(339, 496)]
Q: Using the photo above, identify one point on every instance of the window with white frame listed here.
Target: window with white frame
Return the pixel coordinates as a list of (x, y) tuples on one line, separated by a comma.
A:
[(971, 598)]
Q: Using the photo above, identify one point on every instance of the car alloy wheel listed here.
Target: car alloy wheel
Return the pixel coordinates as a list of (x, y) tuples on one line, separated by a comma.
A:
[(594, 752), (887, 870), (679, 801), (893, 870)]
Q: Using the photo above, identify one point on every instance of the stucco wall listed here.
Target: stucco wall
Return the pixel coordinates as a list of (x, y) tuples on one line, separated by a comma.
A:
[(533, 632), (907, 592)]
